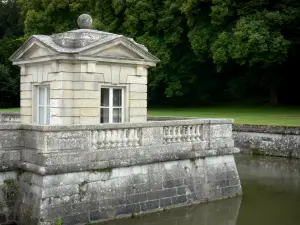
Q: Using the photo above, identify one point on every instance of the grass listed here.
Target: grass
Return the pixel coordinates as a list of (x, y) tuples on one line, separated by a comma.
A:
[(10, 110), (262, 115)]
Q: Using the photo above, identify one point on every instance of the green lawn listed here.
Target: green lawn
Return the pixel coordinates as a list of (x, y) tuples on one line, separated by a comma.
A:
[(263, 115), (10, 110)]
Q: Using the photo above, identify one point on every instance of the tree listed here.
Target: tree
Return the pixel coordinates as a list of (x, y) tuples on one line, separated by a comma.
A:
[(210, 50), (253, 34), (10, 29), (51, 16)]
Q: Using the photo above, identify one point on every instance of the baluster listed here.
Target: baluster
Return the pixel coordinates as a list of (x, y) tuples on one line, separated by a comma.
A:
[(119, 138), (136, 138), (113, 139), (107, 139), (94, 139), (124, 138), (198, 134), (130, 137), (188, 135), (101, 139), (165, 135), (174, 136), (183, 133), (193, 134), (170, 134), (179, 136)]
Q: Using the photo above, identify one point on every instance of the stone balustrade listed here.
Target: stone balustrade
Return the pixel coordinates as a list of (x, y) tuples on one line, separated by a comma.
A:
[(90, 173), (116, 138), (71, 148), (9, 117), (177, 134)]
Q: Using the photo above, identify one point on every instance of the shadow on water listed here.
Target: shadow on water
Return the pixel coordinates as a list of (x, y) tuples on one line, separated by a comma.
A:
[(271, 196)]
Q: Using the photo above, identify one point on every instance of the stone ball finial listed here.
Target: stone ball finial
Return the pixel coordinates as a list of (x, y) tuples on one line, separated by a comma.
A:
[(85, 21)]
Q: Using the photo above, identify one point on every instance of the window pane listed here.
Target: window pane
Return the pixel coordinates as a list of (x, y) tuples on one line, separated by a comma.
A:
[(104, 116), (117, 115), (41, 95), (48, 115), (48, 95), (104, 97), (41, 115), (117, 97)]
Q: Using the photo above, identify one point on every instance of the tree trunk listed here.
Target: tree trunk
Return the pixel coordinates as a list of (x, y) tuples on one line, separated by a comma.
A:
[(273, 96)]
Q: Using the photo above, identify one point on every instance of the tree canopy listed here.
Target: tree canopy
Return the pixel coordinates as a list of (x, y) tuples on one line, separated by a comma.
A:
[(210, 50)]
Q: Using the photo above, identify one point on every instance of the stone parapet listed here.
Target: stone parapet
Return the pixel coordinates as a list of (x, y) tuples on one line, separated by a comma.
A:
[(266, 129), (73, 148), (268, 140), (9, 117), (90, 173)]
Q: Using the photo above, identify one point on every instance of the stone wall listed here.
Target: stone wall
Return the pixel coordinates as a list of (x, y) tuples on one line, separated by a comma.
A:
[(9, 190), (10, 157), (268, 140), (75, 90), (94, 196), (83, 173), (32, 75), (9, 117)]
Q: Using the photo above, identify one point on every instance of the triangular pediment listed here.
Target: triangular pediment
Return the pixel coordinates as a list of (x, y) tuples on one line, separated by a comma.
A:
[(36, 51), (118, 51), (121, 48), (32, 49)]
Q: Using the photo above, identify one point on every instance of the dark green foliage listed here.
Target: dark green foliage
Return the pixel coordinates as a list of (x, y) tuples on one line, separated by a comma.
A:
[(210, 50), (11, 28)]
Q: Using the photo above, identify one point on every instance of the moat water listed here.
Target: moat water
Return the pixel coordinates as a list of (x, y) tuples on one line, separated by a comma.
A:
[(271, 196)]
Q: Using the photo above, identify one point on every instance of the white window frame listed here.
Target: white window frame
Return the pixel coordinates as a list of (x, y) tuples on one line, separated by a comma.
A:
[(45, 106), (110, 106)]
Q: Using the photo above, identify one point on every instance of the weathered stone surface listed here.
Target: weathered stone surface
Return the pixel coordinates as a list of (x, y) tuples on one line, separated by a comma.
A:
[(90, 173), (268, 140), (99, 195), (8, 196)]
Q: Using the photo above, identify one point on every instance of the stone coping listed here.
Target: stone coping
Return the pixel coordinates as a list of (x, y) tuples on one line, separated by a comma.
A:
[(10, 113), (266, 129), (9, 117), (169, 122)]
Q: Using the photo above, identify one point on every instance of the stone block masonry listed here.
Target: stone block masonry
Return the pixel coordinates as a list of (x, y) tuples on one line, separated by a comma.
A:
[(9, 118), (75, 88), (92, 173), (8, 196), (111, 193), (268, 140)]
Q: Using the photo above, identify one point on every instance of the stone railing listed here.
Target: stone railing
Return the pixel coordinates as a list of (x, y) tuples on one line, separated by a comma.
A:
[(116, 138), (280, 141), (56, 149), (177, 134), (122, 164), (9, 117)]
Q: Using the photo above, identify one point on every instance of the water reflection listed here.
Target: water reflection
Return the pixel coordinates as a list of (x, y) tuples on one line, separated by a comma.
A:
[(271, 196), (223, 212), (271, 191)]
